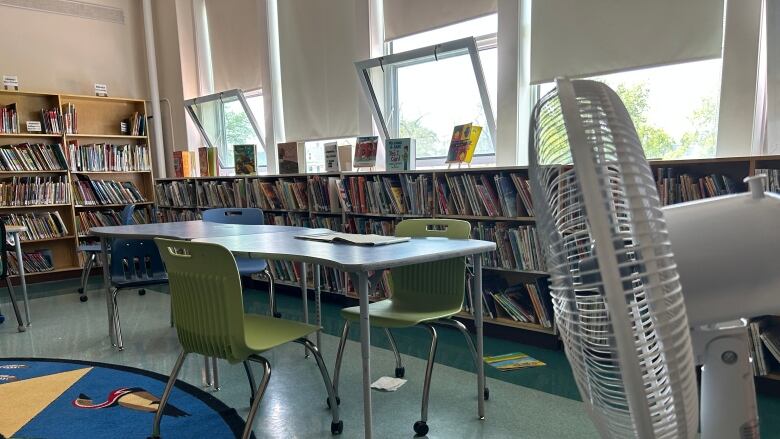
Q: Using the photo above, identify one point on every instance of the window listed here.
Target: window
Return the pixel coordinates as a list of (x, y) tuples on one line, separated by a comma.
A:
[(428, 97), (674, 108), (223, 120), (315, 153)]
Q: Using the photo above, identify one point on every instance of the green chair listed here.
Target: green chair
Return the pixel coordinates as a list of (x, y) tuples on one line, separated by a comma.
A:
[(422, 295), (207, 302)]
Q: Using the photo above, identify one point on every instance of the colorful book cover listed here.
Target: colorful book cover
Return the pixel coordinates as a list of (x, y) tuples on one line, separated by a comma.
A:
[(463, 143), (516, 360), (399, 154), (203, 161), (287, 154), (212, 156), (182, 164), (244, 159), (331, 157), (345, 158), (365, 152)]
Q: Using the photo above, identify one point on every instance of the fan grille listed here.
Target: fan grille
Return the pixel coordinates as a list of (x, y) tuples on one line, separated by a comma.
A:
[(649, 295)]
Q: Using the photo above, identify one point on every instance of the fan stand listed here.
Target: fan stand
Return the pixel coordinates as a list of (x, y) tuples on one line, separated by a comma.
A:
[(728, 394)]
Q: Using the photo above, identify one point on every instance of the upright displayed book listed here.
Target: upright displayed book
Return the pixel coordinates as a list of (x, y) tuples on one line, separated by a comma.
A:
[(330, 150), (345, 157), (9, 120), (366, 148), (464, 141), (292, 157), (400, 154), (182, 164), (244, 159)]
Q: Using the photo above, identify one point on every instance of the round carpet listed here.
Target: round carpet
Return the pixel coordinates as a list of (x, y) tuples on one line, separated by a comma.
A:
[(68, 399)]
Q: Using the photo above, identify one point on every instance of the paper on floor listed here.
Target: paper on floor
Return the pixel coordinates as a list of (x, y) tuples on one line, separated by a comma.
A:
[(388, 384)]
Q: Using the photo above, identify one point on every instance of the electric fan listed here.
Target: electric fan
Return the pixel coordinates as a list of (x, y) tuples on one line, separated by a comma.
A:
[(620, 294)]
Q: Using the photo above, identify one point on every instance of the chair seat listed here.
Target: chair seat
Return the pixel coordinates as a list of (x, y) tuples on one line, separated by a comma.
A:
[(132, 283), (264, 332), (247, 266), (90, 247), (385, 314)]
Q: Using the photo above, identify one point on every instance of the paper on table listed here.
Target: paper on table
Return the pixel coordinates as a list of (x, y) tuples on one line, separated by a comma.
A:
[(388, 384), (353, 238)]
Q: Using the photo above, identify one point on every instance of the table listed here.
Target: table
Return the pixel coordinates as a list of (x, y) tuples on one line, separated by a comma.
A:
[(13, 232), (358, 261)]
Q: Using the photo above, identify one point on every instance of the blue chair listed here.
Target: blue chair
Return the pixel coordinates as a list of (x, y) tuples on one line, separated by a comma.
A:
[(246, 266), (92, 250), (134, 263)]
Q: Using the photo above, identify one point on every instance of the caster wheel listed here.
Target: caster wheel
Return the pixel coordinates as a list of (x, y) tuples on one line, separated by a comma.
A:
[(421, 428), (400, 372), (83, 298), (336, 427), (21, 328), (141, 292), (338, 401), (487, 394), (278, 315), (81, 290)]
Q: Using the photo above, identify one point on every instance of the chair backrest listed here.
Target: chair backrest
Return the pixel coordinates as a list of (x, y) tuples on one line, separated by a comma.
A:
[(136, 260), (245, 216), (432, 286), (206, 298), (126, 216)]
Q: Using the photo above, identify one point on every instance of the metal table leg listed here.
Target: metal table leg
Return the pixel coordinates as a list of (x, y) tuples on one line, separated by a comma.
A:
[(305, 300), (477, 303), (365, 348), (318, 303), (107, 288), (22, 280)]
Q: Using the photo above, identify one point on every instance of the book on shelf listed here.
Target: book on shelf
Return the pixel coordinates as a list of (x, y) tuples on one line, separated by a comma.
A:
[(482, 194), (85, 220), (34, 261), (292, 157), (244, 159), (324, 194), (366, 148), (345, 158), (51, 120), (135, 124), (296, 219), (69, 119), (32, 157), (518, 247), (9, 119), (104, 157), (400, 154), (370, 226), (176, 194), (678, 188), (225, 193), (355, 239), (327, 222), (212, 155), (525, 302), (203, 161), (405, 194), (331, 156), (463, 143), (87, 192), (34, 190), (279, 194), (772, 182), (39, 225), (168, 216), (182, 164)]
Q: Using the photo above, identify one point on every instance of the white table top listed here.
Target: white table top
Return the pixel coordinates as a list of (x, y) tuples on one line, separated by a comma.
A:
[(189, 230), (347, 257)]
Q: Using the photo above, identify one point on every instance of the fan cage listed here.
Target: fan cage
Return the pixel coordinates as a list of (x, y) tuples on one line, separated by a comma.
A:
[(650, 297)]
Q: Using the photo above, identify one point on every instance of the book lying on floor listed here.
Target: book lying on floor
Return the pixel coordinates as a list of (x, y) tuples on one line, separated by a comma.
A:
[(516, 360), (355, 239)]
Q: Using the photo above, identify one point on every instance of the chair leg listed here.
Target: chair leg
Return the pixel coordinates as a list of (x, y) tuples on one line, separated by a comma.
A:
[(166, 394), (20, 325), (399, 367), (215, 373), (421, 426), (85, 276), (462, 328), (207, 371), (258, 394), (339, 357), (117, 324), (336, 425), (251, 377), (271, 292)]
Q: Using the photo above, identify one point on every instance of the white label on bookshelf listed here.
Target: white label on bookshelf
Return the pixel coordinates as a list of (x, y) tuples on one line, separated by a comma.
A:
[(10, 81), (33, 126), (101, 89)]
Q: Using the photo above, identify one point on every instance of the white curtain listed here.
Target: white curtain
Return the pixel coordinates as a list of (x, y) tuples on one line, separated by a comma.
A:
[(235, 41), (407, 17), (578, 38)]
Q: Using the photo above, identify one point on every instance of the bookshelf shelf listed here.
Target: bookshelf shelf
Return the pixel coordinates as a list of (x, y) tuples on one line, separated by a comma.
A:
[(386, 215), (35, 206), (105, 136), (56, 270), (100, 206), (527, 219), (30, 135), (513, 270), (109, 172), (56, 238), (32, 172), (509, 323)]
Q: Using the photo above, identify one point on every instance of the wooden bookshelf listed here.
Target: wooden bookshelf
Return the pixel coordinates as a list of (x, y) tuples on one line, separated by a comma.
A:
[(98, 121)]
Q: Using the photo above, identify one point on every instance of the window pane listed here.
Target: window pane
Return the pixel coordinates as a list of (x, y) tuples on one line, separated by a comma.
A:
[(472, 28), (315, 153)]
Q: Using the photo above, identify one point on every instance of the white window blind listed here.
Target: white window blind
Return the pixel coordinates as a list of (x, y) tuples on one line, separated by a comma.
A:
[(407, 17), (320, 88), (589, 37), (235, 44)]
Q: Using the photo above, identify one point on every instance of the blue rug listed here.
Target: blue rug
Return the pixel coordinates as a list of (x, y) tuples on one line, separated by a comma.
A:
[(68, 399)]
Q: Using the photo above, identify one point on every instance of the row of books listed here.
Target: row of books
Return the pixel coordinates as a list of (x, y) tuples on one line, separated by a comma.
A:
[(674, 188), (100, 192), (518, 248), (764, 339), (93, 218), (136, 124), (58, 121), (772, 182), (221, 193), (169, 215), (327, 222), (324, 193), (34, 262), (279, 194), (39, 225), (35, 157), (523, 302), (506, 195), (34, 191), (176, 194), (405, 194), (370, 226), (9, 120), (107, 157)]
